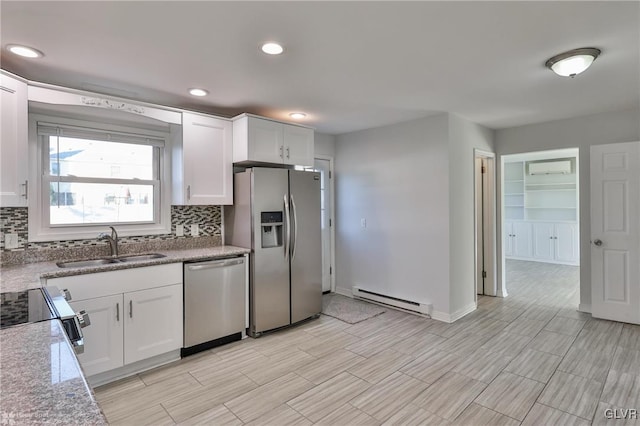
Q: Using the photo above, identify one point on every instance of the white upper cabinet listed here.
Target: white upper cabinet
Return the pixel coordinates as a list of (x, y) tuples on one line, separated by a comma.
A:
[(260, 140), (203, 164), (13, 142)]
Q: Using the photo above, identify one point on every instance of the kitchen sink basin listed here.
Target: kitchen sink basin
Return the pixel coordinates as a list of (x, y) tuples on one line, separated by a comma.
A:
[(140, 257), (85, 263), (109, 260)]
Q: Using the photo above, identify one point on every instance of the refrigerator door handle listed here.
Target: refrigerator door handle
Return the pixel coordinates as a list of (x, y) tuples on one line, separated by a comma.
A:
[(295, 228), (287, 237)]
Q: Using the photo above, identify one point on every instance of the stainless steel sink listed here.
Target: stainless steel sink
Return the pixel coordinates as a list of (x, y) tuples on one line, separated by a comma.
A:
[(110, 260), (141, 257), (85, 263)]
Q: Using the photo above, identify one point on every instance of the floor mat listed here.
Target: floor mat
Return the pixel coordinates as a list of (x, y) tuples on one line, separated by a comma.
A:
[(347, 309)]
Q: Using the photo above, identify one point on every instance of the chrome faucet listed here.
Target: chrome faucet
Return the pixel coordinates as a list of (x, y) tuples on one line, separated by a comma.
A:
[(113, 240)]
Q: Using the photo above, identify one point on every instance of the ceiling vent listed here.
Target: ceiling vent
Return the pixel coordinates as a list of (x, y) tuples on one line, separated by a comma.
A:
[(550, 168)]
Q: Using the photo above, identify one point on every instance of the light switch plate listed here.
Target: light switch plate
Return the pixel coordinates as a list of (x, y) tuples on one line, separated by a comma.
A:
[(194, 230), (11, 241), (179, 230)]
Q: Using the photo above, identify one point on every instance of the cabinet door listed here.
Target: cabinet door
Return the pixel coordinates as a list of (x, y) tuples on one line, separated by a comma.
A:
[(522, 239), (298, 146), (153, 322), (103, 344), (543, 241), (507, 238), (207, 160), (13, 142), (566, 243), (265, 140)]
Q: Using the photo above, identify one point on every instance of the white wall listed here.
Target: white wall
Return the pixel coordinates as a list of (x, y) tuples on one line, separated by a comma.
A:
[(581, 132), (324, 144), (464, 137), (395, 177)]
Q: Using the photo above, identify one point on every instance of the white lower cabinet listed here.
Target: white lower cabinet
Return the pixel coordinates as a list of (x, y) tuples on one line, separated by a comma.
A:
[(518, 239), (103, 339), (552, 242), (152, 323), (136, 314)]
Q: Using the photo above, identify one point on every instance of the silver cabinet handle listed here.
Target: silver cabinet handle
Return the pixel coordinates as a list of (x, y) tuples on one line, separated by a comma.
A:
[(118, 312), (287, 237), (295, 228), (216, 264), (597, 242), (26, 189), (288, 152), (130, 308), (66, 294), (281, 152), (188, 192)]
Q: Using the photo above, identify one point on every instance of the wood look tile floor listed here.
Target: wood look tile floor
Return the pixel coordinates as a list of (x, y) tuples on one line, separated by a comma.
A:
[(528, 359)]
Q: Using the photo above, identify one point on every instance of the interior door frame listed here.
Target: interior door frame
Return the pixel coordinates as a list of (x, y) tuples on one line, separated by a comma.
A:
[(332, 212), (490, 217)]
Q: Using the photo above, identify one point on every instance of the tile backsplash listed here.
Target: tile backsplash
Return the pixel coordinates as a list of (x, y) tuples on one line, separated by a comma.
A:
[(14, 220)]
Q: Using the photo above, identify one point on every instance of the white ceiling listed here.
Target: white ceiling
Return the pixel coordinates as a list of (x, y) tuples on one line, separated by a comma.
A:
[(349, 65)]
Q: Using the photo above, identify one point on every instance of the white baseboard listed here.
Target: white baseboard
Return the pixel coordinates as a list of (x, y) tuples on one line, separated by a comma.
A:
[(344, 291), (583, 307), (449, 318)]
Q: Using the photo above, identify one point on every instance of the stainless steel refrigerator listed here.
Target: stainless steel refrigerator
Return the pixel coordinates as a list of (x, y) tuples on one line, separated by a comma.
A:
[(276, 213)]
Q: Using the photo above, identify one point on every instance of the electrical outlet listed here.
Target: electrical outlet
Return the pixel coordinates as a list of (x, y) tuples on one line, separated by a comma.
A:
[(11, 241), (179, 230), (363, 223), (194, 230)]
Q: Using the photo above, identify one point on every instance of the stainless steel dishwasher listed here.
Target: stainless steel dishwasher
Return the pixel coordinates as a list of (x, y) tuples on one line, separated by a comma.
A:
[(214, 303)]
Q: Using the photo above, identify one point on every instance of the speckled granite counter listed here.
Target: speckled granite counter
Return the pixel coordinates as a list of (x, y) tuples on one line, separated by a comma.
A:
[(42, 382), (23, 277)]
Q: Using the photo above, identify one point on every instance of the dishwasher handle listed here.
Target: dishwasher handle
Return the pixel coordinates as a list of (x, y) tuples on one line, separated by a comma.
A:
[(214, 264)]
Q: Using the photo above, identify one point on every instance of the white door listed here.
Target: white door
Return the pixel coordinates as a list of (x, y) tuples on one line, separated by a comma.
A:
[(153, 322), (324, 167), (13, 142), (298, 146), (567, 246), (543, 241), (103, 339), (207, 157), (265, 140), (522, 239), (507, 237), (615, 232)]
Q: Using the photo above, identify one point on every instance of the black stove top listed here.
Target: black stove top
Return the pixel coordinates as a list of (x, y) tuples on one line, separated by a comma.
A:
[(22, 307)]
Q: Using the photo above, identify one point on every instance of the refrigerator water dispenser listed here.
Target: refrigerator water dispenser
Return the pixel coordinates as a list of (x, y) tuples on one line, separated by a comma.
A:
[(271, 226)]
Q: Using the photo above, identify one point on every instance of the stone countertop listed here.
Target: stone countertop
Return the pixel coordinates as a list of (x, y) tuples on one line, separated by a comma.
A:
[(42, 382), (27, 276)]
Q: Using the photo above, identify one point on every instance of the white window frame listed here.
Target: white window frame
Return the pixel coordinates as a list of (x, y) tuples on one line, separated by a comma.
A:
[(39, 209)]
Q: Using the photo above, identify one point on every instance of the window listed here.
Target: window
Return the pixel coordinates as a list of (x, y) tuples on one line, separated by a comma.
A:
[(92, 175)]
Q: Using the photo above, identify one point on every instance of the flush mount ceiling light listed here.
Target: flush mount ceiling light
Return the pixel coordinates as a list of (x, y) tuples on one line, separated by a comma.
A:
[(198, 92), (297, 115), (573, 62), (272, 48), (24, 51)]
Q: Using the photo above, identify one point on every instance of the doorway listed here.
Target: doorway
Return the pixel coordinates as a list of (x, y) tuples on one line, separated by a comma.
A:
[(485, 219), (324, 165), (540, 221)]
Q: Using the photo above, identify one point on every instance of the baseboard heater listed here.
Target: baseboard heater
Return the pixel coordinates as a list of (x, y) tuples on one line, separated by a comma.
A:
[(394, 302)]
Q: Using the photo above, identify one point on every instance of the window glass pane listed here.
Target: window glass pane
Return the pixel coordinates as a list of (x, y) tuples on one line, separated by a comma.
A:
[(99, 159), (86, 203)]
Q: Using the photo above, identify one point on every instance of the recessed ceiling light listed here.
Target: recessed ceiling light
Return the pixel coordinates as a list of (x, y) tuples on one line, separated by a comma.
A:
[(573, 62), (25, 51), (297, 115), (272, 48), (198, 92)]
